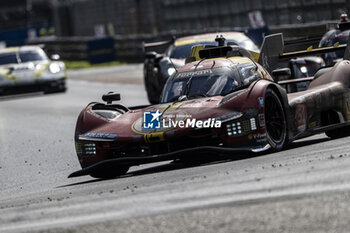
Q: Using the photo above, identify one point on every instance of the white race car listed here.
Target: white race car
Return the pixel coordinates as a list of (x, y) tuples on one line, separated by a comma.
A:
[(28, 69)]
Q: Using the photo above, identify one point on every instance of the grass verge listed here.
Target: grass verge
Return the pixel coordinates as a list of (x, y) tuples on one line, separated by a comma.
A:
[(86, 64)]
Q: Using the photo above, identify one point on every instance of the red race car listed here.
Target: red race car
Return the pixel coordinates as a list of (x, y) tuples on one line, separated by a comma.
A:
[(220, 102)]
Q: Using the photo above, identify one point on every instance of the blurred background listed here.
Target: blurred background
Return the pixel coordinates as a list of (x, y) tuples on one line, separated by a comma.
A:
[(67, 27)]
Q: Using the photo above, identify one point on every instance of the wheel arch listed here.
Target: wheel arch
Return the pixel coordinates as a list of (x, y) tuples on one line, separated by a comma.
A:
[(259, 90), (282, 95)]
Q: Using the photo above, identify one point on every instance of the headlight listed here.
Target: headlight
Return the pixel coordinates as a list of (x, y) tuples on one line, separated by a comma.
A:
[(31, 66), (303, 69), (54, 68), (241, 127), (89, 149), (171, 70)]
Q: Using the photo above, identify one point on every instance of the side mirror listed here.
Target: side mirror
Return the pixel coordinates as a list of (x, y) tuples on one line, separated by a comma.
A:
[(110, 97), (55, 57), (151, 55), (281, 74)]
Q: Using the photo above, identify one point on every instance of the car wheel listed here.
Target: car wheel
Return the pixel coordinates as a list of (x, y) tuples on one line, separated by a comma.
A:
[(275, 121), (152, 95), (110, 172)]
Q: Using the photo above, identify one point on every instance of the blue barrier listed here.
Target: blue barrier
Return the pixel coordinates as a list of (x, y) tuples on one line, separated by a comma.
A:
[(101, 50), (18, 37)]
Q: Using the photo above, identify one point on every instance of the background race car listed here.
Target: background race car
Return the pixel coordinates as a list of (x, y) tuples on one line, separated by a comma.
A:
[(159, 67), (302, 67), (28, 69)]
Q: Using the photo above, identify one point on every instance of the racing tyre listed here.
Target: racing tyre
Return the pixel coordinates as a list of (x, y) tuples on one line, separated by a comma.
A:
[(275, 121), (153, 98), (110, 172), (149, 76)]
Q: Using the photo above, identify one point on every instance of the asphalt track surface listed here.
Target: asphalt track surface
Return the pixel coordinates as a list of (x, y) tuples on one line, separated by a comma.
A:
[(304, 188)]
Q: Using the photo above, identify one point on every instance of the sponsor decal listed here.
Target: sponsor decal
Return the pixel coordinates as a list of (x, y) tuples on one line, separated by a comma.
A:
[(193, 123), (261, 120), (260, 137), (312, 124), (300, 117), (156, 121), (154, 137), (151, 120), (261, 101), (174, 114), (193, 73)]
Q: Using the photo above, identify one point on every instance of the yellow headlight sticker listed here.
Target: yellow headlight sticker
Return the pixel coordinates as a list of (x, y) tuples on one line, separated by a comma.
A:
[(3, 71), (6, 73)]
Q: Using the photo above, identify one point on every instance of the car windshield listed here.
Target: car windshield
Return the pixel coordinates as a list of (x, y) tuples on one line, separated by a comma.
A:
[(209, 82), (21, 56), (183, 51), (8, 58), (33, 55)]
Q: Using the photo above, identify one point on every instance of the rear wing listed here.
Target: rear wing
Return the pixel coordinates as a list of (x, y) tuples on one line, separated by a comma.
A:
[(146, 46), (199, 52), (271, 53)]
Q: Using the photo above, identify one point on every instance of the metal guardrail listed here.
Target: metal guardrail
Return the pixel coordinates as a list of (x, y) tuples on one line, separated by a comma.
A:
[(69, 48)]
